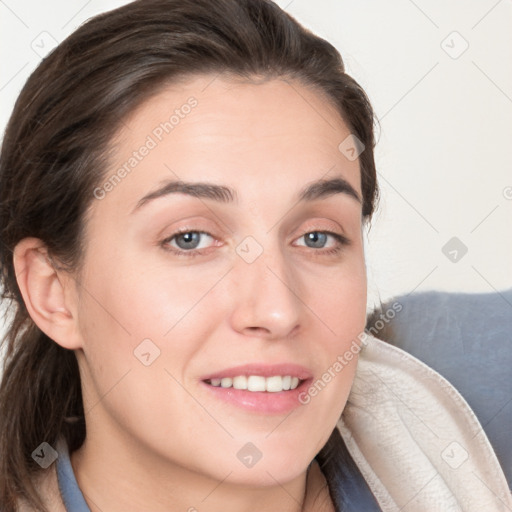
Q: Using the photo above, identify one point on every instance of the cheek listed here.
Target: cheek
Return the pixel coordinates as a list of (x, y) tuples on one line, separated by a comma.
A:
[(127, 301), (338, 297), (140, 330), (339, 302)]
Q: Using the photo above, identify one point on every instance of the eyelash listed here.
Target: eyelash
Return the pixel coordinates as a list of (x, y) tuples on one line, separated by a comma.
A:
[(341, 240)]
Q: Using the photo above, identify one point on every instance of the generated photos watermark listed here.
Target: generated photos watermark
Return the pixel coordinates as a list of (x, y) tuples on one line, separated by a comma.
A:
[(152, 140), (344, 359)]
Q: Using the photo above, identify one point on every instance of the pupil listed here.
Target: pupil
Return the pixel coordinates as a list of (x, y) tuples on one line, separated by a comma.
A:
[(318, 239), (189, 239)]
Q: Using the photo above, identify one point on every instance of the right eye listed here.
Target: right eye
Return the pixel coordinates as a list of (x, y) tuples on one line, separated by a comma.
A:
[(187, 243)]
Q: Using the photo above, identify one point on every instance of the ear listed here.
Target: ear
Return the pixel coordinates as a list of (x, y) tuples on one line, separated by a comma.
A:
[(49, 293)]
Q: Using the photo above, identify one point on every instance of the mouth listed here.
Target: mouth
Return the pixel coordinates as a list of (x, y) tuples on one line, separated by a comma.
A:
[(264, 389), (257, 383)]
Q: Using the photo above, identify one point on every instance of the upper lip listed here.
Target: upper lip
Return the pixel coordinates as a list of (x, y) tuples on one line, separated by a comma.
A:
[(263, 370)]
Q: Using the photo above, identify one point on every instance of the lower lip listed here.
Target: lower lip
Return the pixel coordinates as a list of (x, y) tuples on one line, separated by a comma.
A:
[(261, 402)]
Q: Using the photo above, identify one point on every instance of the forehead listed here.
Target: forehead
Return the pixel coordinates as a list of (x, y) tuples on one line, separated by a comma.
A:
[(262, 138)]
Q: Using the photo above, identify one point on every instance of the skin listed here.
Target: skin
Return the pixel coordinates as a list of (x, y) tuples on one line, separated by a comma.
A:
[(156, 438)]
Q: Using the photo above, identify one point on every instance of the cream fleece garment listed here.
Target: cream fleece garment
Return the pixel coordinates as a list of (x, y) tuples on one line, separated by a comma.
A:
[(413, 436), (418, 444)]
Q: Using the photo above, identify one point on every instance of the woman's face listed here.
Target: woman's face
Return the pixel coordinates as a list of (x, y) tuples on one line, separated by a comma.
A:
[(266, 281)]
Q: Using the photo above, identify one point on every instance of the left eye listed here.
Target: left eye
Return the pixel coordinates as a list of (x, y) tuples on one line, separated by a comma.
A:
[(318, 239)]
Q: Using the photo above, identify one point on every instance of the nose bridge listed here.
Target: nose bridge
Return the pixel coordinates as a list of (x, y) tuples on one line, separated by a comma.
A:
[(266, 297)]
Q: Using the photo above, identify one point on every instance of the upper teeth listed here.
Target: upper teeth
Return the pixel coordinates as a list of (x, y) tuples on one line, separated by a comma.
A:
[(258, 383)]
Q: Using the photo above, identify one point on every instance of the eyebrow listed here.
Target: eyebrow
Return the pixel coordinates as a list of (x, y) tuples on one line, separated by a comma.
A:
[(319, 189)]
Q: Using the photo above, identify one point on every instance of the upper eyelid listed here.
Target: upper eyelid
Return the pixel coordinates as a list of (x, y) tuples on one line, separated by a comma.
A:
[(311, 226)]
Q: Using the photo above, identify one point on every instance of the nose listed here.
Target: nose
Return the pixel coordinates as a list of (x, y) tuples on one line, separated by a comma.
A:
[(267, 300)]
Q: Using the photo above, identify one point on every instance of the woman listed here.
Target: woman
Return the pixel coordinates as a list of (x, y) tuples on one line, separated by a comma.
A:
[(184, 186)]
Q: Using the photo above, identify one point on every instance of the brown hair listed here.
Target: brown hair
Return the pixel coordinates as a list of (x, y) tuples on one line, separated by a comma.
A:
[(54, 154)]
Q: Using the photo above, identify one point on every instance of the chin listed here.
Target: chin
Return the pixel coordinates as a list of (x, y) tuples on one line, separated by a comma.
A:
[(269, 459), (275, 470)]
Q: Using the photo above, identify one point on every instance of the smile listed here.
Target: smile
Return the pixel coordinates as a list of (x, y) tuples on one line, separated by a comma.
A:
[(257, 383)]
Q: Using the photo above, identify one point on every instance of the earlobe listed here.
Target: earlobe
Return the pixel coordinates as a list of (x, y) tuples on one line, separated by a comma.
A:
[(46, 293)]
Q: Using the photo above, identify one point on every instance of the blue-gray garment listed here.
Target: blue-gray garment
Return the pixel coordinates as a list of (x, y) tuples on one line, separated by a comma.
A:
[(71, 494)]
